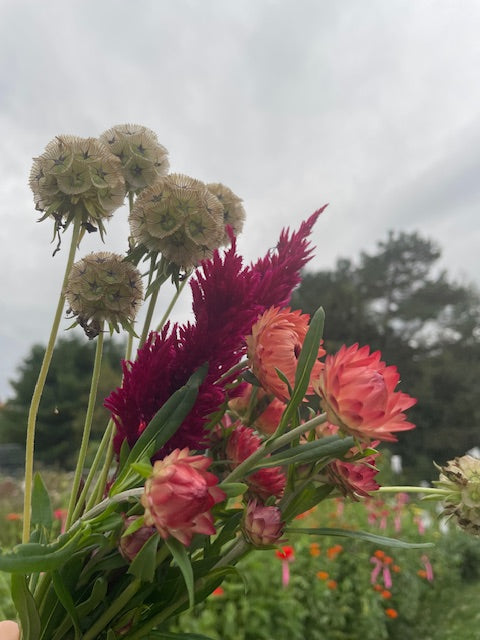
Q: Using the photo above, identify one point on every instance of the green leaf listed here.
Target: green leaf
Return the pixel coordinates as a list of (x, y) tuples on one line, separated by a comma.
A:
[(362, 535), (166, 635), (144, 564), (305, 500), (34, 557), (42, 514), (99, 591), (233, 489), (134, 526), (306, 360), (26, 608), (144, 469), (66, 600), (160, 428), (182, 559), (329, 447)]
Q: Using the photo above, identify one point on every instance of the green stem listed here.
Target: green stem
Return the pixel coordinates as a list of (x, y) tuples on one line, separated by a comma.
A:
[(427, 490), (271, 445), (86, 429), (173, 302), (103, 477), (116, 607), (150, 310), (37, 394)]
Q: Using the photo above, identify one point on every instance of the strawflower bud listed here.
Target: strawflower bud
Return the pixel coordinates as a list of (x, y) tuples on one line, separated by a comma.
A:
[(179, 218), (104, 287), (143, 158), (233, 211), (461, 477), (77, 177), (179, 495), (262, 526), (131, 544)]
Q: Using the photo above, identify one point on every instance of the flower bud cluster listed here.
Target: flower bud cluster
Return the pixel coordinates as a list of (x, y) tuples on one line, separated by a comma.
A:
[(77, 177), (142, 157), (103, 287)]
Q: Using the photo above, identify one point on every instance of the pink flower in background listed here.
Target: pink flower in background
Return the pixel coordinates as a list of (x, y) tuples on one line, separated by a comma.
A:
[(179, 495), (275, 343), (286, 555), (358, 393), (262, 526), (264, 483)]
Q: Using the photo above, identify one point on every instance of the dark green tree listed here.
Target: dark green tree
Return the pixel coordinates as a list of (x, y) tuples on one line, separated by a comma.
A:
[(64, 401), (396, 300)]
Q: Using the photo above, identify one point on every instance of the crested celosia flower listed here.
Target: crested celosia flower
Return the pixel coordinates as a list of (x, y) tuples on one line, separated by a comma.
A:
[(262, 525), (275, 343), (180, 218), (264, 483), (227, 299), (77, 178), (354, 479), (143, 158), (233, 211), (357, 391), (103, 287), (461, 478), (179, 495)]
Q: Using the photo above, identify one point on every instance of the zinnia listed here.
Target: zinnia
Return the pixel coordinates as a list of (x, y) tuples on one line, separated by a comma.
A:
[(179, 495), (358, 394), (275, 343)]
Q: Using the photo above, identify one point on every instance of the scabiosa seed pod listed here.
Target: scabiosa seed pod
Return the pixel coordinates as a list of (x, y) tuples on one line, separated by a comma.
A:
[(103, 287), (233, 211), (179, 218), (142, 157), (262, 526), (77, 177), (461, 477)]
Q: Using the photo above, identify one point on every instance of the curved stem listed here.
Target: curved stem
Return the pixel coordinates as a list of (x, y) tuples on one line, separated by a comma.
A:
[(173, 302), (86, 429), (37, 394)]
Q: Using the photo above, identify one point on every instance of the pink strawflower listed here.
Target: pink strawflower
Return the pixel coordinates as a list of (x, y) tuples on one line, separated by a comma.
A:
[(354, 479), (262, 526), (179, 495), (275, 343), (227, 300), (264, 483), (131, 544), (358, 394)]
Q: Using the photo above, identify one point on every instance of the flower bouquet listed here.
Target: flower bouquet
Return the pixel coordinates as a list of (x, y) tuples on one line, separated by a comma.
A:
[(223, 430)]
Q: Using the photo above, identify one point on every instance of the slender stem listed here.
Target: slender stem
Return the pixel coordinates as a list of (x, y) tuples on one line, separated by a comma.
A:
[(407, 489), (82, 454), (237, 368), (37, 394), (116, 607), (173, 302), (148, 317), (102, 479), (271, 445)]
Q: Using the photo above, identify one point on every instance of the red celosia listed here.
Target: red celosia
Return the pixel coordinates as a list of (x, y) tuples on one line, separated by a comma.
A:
[(227, 300), (358, 394), (264, 483), (179, 495), (275, 343)]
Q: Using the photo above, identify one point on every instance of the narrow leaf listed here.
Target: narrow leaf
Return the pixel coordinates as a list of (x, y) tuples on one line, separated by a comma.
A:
[(182, 559), (362, 535), (42, 514), (144, 564), (66, 600), (26, 607)]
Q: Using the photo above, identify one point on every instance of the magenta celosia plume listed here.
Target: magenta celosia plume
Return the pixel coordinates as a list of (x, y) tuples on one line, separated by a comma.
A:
[(228, 297), (358, 394)]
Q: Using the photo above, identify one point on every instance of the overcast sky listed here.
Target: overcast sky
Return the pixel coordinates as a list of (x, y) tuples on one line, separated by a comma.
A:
[(370, 105)]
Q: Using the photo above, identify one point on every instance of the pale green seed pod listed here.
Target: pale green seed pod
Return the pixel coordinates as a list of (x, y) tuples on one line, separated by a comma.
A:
[(103, 287), (233, 211), (461, 477), (143, 158), (179, 218), (77, 177)]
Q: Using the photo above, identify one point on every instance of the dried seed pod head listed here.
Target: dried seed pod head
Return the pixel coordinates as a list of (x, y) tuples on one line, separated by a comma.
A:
[(179, 218), (461, 477), (143, 158), (77, 177), (233, 211), (104, 287)]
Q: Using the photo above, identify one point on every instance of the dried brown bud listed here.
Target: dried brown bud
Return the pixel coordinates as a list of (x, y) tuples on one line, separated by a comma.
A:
[(143, 158), (461, 477), (104, 287)]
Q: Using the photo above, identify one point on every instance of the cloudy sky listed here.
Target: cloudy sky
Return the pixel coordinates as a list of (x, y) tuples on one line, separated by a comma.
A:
[(370, 105)]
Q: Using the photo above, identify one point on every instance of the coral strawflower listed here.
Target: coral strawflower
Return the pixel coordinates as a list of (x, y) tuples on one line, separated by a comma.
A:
[(275, 343), (357, 391)]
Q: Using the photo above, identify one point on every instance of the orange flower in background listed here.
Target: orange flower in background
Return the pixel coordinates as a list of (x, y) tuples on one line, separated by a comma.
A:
[(322, 575), (315, 550), (332, 552), (275, 343), (285, 553), (358, 394), (332, 584), (391, 613), (13, 517), (219, 591), (396, 568), (386, 594)]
